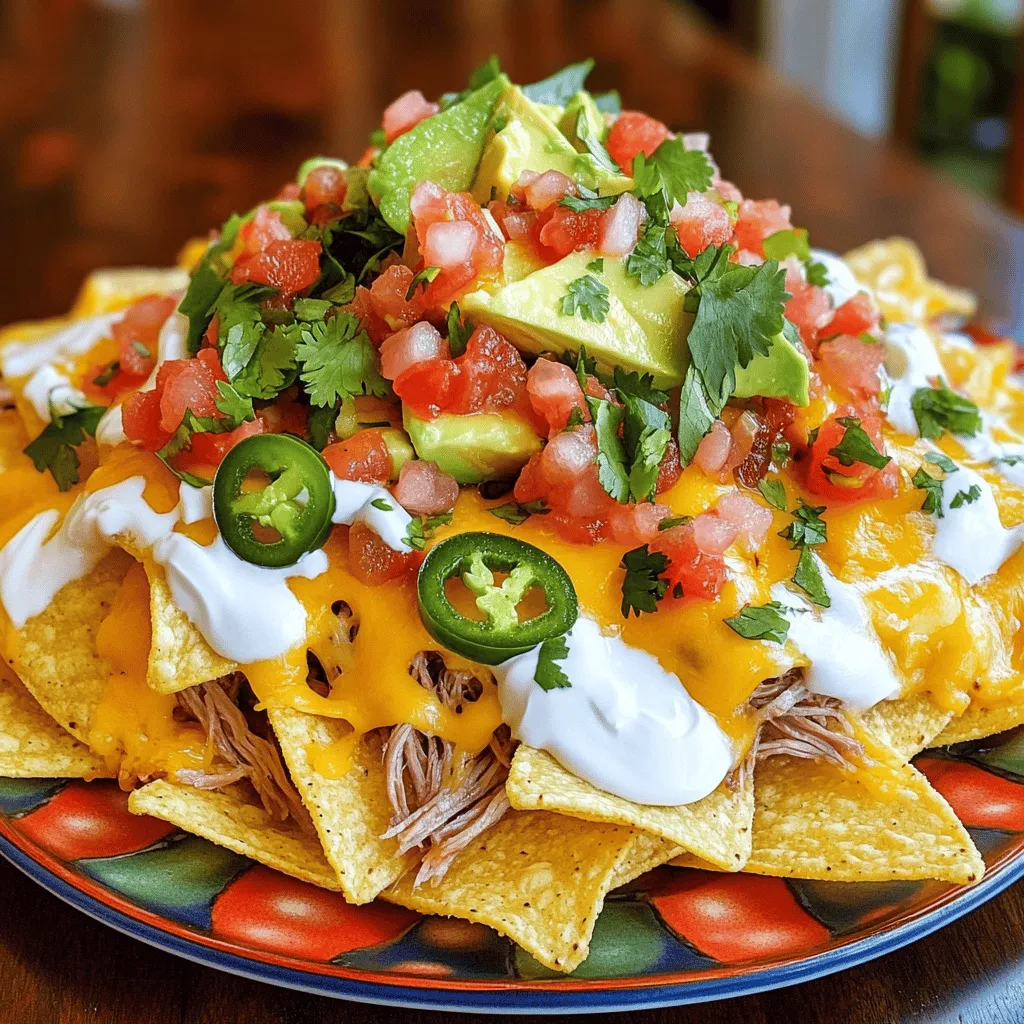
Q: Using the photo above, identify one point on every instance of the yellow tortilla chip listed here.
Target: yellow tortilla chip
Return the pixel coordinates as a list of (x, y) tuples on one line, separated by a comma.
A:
[(54, 654), (350, 813), (977, 722), (907, 725), (179, 656), (647, 853), (113, 288), (716, 828), (228, 819), (536, 877), (883, 822), (32, 744)]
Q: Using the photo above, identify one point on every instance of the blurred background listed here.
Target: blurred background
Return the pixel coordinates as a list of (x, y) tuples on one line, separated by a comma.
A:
[(127, 126)]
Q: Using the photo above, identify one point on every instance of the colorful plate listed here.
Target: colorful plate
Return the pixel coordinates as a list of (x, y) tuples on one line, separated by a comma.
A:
[(672, 937)]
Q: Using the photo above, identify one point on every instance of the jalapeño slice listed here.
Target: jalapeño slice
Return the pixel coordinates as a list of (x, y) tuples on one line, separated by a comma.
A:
[(476, 557), (293, 509)]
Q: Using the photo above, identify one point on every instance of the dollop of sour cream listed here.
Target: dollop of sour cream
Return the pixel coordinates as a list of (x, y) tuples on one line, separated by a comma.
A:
[(846, 656), (842, 285), (911, 362), (245, 612), (358, 502), (624, 724)]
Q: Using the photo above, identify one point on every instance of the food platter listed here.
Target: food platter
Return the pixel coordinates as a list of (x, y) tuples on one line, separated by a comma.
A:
[(653, 946)]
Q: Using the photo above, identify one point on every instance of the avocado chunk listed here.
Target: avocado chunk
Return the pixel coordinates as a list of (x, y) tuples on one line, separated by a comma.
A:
[(444, 149), (476, 447), (524, 138), (520, 261), (782, 373), (582, 103), (644, 330)]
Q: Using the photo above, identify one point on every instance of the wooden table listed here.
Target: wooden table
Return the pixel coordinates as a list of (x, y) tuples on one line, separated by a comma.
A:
[(127, 129)]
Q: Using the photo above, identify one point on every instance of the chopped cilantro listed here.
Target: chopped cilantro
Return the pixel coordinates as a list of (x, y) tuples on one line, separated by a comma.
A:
[(487, 72), (643, 585), (588, 199), (672, 521), (781, 454), (421, 280), (235, 407), (340, 294), (939, 409), (272, 365), (968, 497), (648, 262), (312, 309), (589, 297), (670, 173), (856, 446), (206, 284), (760, 622), (421, 529), (1007, 460), (808, 578), (575, 418), (943, 461), (559, 88), (320, 423), (459, 333), (143, 350), (774, 492), (338, 360), (516, 513), (817, 274), (107, 374), (788, 242), (611, 457), (597, 266), (549, 674), (595, 147), (382, 505), (808, 529), (932, 486), (54, 448), (608, 102)]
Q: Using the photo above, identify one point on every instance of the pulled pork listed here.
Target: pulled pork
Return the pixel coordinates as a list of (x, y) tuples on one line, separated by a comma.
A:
[(792, 720), (241, 753), (441, 802)]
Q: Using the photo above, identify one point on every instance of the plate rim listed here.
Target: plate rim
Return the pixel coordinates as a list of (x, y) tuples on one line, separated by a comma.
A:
[(539, 999)]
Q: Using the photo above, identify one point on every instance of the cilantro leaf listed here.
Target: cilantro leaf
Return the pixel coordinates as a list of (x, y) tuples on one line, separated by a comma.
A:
[(643, 473), (943, 461), (673, 521), (235, 407), (589, 297), (760, 622), (342, 293), (939, 409), (608, 102), (107, 374), (788, 242), (968, 497), (611, 458), (856, 446), (549, 674), (516, 513), (206, 284), (643, 585), (648, 261), (695, 416), (781, 454), (670, 173), (817, 274), (774, 492), (588, 199), (338, 360), (808, 578), (559, 88), (634, 384), (421, 529), (808, 529), (312, 309), (421, 280), (272, 366), (320, 423), (459, 333), (932, 486), (596, 266), (1006, 460), (595, 147), (54, 448)]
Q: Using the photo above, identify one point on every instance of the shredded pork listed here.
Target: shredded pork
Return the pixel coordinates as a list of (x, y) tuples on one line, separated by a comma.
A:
[(441, 801), (792, 720), (241, 753)]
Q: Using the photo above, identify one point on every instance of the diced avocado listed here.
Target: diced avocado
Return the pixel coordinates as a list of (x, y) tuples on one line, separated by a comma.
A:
[(473, 448), (582, 103), (520, 261), (525, 139), (644, 330), (318, 161), (399, 448), (444, 149), (782, 373)]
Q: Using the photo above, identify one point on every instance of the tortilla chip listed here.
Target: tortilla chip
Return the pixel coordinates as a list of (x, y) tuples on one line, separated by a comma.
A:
[(647, 853), (179, 656), (977, 722), (349, 813), (883, 822), (716, 828), (32, 744), (538, 878), (113, 288), (54, 654), (228, 819), (908, 724)]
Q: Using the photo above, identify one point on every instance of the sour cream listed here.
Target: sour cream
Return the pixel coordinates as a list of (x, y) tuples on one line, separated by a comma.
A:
[(911, 362), (971, 538), (245, 612), (625, 724), (842, 285), (354, 503), (846, 656)]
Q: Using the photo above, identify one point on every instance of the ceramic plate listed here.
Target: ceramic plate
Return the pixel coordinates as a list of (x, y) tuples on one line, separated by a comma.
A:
[(674, 936)]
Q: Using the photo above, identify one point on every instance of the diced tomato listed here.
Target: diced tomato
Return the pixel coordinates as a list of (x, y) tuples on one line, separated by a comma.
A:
[(432, 205), (728, 191), (807, 309), (405, 349), (373, 562), (757, 220), (540, 191), (752, 521), (743, 433), (424, 489), (852, 363), (632, 133), (206, 451), (325, 186), (265, 227), (700, 223), (376, 327), (140, 417), (713, 450), (693, 572), (855, 316), (858, 482), (554, 392), (290, 266), (671, 468), (137, 332), (405, 113), (364, 456), (565, 231)]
